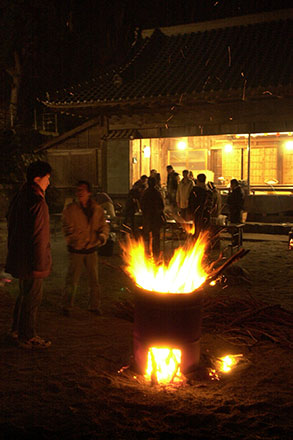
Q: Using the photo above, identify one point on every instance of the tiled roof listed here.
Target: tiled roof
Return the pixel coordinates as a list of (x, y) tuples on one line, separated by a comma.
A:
[(225, 59)]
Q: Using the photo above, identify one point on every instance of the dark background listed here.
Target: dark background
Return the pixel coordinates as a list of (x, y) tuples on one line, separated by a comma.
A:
[(63, 42)]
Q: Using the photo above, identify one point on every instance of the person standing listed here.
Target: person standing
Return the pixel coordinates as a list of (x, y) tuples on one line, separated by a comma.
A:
[(152, 206), (200, 204), (29, 254), (172, 185), (216, 200), (235, 201), (85, 229), (184, 189)]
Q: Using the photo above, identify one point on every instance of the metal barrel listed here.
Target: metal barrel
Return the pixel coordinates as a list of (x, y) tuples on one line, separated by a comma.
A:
[(167, 320)]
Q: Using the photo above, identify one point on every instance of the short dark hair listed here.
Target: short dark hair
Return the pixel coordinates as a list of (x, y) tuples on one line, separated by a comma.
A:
[(201, 177), (37, 169), (234, 181), (86, 183), (169, 167), (152, 182)]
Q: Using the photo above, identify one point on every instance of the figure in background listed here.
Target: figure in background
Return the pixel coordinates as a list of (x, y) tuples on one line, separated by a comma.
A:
[(105, 201), (216, 207), (142, 182), (191, 176), (200, 204), (158, 181), (172, 185), (132, 204), (216, 200), (85, 229), (157, 177), (152, 206), (184, 189), (29, 254), (235, 202)]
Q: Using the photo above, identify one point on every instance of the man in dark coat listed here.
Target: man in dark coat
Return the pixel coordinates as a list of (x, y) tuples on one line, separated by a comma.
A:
[(29, 254), (172, 185), (200, 204), (152, 206), (235, 201)]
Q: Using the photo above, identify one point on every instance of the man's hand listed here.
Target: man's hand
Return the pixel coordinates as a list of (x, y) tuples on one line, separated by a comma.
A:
[(102, 239)]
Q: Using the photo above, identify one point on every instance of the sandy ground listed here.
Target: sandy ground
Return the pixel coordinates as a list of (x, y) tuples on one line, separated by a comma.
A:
[(74, 391)]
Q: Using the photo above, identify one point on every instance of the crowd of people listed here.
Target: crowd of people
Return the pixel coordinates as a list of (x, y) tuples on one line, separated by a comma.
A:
[(86, 230), (187, 199)]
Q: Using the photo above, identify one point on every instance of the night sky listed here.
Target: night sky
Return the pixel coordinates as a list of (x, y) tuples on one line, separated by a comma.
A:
[(62, 43)]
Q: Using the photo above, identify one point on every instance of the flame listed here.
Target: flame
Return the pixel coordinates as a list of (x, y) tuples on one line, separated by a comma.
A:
[(184, 273), (163, 366), (226, 363), (189, 228)]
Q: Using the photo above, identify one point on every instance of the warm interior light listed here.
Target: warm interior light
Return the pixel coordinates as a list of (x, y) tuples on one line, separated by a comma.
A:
[(289, 145), (228, 148), (184, 273), (163, 365), (181, 145), (147, 151), (271, 182)]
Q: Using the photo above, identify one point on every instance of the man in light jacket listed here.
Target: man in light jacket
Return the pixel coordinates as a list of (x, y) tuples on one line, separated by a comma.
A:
[(184, 189), (85, 230), (29, 253)]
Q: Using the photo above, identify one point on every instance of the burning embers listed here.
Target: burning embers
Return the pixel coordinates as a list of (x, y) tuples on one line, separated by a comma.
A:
[(163, 365)]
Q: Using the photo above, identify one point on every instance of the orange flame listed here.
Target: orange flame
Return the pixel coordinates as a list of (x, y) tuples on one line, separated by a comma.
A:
[(189, 228), (163, 365), (226, 363), (184, 273)]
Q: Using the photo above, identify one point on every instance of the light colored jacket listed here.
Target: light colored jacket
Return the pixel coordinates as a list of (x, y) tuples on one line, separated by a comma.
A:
[(81, 233), (183, 193)]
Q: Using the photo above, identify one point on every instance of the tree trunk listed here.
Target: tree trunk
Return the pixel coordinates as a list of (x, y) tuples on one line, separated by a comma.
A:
[(15, 73)]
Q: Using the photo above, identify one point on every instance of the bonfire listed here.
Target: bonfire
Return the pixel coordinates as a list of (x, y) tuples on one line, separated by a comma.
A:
[(168, 305)]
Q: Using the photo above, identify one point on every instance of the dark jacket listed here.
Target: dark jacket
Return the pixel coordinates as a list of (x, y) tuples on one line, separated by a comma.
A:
[(29, 253), (152, 206), (235, 202), (200, 204)]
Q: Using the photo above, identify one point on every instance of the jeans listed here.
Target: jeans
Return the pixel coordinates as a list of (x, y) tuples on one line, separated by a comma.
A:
[(76, 263), (26, 307)]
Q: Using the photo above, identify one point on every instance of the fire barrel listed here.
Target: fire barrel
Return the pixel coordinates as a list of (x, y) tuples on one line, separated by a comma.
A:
[(167, 320)]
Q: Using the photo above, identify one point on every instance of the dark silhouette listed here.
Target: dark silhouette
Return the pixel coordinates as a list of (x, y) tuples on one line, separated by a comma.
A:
[(29, 254)]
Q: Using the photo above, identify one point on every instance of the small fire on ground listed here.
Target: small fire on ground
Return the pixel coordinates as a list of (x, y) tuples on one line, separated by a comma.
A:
[(224, 365)]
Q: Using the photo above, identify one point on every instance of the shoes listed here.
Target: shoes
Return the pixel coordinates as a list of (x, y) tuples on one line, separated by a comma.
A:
[(35, 343), (96, 312)]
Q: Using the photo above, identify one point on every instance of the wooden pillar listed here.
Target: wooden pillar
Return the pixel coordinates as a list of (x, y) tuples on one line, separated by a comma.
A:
[(248, 163)]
